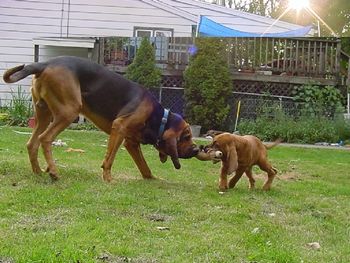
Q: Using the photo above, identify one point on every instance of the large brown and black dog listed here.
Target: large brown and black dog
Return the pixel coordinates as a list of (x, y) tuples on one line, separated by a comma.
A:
[(239, 154), (65, 86)]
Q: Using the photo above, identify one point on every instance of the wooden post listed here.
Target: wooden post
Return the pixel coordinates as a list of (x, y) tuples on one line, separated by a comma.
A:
[(254, 55), (303, 58), (278, 54), (36, 53), (337, 60), (272, 54), (285, 55), (321, 61), (315, 59), (308, 58), (296, 67)]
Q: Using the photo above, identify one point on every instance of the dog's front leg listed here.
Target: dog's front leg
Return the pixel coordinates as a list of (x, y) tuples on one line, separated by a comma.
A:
[(134, 150), (116, 138), (223, 179), (236, 177)]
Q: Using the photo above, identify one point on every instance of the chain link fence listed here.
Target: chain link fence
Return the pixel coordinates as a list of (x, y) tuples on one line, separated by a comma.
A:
[(250, 104)]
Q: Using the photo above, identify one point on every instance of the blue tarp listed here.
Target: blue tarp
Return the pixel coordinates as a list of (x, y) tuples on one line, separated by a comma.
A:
[(210, 28)]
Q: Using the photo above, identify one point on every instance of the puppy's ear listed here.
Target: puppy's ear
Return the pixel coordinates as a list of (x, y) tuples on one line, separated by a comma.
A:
[(230, 160)]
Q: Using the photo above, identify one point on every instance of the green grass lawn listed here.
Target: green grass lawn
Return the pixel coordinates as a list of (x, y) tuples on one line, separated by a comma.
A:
[(80, 218)]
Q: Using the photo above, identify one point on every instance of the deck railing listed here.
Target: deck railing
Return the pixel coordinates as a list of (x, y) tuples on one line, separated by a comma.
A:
[(286, 56)]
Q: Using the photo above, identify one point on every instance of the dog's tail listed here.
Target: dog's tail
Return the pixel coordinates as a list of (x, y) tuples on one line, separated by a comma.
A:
[(271, 145), (20, 72)]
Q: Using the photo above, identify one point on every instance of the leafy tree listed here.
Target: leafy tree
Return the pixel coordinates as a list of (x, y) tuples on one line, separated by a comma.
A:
[(143, 69), (208, 85)]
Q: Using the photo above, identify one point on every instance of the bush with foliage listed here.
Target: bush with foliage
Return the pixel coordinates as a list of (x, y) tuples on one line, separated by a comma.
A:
[(20, 109), (4, 117), (208, 85), (143, 69), (315, 100), (304, 129), (86, 126)]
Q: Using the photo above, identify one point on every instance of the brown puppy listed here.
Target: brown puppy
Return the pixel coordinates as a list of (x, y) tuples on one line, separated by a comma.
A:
[(65, 86), (239, 154)]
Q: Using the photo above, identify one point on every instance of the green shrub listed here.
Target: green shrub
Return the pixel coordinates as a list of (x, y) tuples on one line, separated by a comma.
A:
[(208, 85), (4, 117), (316, 101), (143, 69), (86, 126), (20, 109), (304, 129)]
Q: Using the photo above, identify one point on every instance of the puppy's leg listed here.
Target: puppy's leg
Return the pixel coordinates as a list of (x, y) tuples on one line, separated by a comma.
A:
[(116, 138), (223, 179), (42, 120), (135, 152), (271, 172), (236, 177), (249, 174)]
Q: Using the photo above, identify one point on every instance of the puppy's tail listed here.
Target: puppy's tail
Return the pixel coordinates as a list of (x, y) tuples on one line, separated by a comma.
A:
[(271, 145), (20, 72)]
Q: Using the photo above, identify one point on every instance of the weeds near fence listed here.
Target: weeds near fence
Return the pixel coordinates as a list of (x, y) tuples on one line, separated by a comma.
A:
[(20, 109), (273, 122)]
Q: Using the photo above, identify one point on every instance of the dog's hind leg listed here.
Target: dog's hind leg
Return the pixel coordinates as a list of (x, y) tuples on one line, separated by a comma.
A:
[(60, 122), (249, 174), (116, 138), (271, 173), (42, 120)]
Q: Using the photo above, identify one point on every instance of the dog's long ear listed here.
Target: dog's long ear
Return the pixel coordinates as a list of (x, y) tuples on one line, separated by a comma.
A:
[(171, 147), (231, 158)]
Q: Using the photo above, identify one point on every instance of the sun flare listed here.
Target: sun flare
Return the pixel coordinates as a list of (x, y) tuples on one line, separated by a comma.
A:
[(298, 4)]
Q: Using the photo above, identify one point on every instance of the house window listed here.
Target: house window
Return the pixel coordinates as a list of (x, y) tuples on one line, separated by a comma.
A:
[(162, 33), (153, 32), (143, 33), (159, 37)]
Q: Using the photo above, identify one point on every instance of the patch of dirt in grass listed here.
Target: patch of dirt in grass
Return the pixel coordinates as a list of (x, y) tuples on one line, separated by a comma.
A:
[(108, 258), (56, 218), (125, 176), (287, 176), (158, 217), (6, 260)]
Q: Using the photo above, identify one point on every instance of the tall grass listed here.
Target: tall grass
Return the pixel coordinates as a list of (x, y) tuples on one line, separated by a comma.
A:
[(20, 109)]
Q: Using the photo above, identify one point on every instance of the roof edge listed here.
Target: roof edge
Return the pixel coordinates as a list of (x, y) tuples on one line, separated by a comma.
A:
[(171, 9)]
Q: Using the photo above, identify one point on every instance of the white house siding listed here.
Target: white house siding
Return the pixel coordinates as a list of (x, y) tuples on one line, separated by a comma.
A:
[(118, 18), (20, 22), (23, 20)]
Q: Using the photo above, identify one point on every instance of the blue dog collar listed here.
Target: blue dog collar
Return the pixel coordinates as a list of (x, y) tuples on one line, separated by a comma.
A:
[(163, 123)]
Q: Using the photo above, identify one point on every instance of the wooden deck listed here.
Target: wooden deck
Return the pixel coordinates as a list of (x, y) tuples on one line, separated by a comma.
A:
[(285, 60)]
